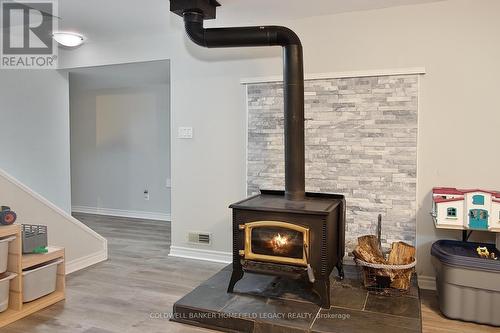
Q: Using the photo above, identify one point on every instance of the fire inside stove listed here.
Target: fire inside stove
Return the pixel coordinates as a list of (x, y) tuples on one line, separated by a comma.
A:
[(280, 244), (276, 242)]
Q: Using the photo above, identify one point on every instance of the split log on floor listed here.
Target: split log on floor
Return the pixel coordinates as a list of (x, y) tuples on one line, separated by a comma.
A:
[(401, 254)]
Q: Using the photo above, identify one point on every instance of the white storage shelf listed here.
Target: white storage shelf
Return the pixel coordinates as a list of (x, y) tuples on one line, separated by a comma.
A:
[(17, 262)]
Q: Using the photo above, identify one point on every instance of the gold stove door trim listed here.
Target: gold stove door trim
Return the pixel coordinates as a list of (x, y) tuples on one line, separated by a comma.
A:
[(248, 254)]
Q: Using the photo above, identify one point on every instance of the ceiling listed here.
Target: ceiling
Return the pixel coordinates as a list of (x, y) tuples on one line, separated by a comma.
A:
[(293, 9), (113, 19)]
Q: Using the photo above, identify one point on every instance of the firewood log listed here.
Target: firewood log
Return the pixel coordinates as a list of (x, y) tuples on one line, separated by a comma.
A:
[(369, 251), (401, 254)]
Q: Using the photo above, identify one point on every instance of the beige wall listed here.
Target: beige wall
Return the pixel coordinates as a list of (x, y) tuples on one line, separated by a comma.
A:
[(457, 41)]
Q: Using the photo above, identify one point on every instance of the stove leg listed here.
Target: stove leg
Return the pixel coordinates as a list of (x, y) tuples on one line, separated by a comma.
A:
[(235, 277), (340, 269), (322, 288)]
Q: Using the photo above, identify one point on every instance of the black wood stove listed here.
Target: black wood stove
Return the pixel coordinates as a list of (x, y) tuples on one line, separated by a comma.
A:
[(291, 233), (301, 239)]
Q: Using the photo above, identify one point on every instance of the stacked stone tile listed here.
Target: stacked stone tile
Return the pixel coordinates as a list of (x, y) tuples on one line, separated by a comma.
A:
[(361, 141)]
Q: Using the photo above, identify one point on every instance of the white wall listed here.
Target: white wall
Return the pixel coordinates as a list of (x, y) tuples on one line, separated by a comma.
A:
[(120, 144), (35, 161), (456, 41), (35, 131)]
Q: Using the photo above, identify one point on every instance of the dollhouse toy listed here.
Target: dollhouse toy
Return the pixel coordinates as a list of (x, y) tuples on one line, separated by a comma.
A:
[(473, 209), (467, 271)]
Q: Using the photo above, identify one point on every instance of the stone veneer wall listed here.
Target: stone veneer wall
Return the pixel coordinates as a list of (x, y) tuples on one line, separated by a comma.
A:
[(361, 141)]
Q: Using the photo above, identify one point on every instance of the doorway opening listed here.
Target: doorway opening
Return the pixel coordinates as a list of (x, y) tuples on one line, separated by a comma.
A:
[(120, 150)]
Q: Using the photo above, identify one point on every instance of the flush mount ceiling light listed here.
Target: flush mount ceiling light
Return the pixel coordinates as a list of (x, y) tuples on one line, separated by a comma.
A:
[(68, 39)]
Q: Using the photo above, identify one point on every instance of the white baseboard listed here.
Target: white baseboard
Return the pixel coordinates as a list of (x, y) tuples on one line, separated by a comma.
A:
[(427, 282), (122, 213), (84, 262), (201, 254)]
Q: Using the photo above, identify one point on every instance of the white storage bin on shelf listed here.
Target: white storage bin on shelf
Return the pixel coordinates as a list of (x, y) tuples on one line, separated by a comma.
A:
[(4, 290), (4, 252), (39, 281)]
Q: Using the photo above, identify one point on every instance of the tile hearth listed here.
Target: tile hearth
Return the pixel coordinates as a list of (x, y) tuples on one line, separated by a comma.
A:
[(277, 305)]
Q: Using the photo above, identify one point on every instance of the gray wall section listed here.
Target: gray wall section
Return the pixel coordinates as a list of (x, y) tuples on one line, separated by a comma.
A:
[(361, 141), (35, 132), (120, 145)]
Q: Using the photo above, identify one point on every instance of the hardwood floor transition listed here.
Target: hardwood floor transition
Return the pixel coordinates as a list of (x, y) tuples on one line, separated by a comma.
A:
[(135, 289)]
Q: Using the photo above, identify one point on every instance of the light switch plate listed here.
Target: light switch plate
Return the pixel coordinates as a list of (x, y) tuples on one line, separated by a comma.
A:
[(185, 133)]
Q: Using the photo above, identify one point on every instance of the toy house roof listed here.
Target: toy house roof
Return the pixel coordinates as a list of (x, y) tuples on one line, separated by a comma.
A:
[(446, 190), (439, 200), (455, 191)]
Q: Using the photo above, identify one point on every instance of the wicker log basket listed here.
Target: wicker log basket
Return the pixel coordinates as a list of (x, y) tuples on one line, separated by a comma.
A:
[(388, 274)]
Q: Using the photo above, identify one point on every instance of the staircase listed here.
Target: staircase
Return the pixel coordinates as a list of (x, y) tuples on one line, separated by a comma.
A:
[(84, 247)]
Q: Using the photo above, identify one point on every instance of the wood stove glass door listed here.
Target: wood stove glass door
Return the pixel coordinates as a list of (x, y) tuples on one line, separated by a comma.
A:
[(278, 242)]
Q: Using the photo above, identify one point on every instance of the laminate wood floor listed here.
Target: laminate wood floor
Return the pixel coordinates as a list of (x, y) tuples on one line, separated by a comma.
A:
[(135, 289), (127, 293)]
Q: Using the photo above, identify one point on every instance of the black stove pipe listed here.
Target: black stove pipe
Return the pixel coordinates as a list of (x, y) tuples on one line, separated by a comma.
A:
[(293, 88)]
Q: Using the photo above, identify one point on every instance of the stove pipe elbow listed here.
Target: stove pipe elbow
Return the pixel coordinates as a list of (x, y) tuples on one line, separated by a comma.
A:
[(193, 23), (237, 36)]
